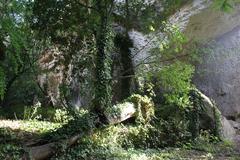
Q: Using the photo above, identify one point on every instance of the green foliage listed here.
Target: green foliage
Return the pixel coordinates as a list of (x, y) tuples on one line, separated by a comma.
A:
[(7, 135), (13, 29), (145, 154), (224, 5), (124, 142), (147, 88), (211, 144), (175, 80), (83, 30), (174, 41), (31, 113), (203, 116), (217, 130), (103, 84), (96, 20), (148, 132), (170, 47), (146, 17), (11, 151), (157, 134), (62, 116), (17, 112), (194, 113), (12, 139), (145, 107), (39, 127), (170, 69), (70, 31), (82, 121), (16, 40), (62, 21)]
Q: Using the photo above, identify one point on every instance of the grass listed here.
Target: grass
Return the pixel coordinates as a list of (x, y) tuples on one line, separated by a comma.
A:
[(39, 127)]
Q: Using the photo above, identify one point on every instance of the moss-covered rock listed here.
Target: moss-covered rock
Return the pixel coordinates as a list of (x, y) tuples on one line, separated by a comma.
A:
[(120, 112), (210, 118), (140, 107)]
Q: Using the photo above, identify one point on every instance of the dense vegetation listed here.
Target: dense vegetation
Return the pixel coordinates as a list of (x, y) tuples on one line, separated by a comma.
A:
[(53, 50)]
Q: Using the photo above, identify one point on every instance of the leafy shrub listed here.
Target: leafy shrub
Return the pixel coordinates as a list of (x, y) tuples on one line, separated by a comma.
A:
[(7, 135), (11, 151), (210, 143), (172, 132), (123, 141), (39, 127), (62, 116), (10, 147), (157, 134), (81, 121), (145, 107), (175, 80), (31, 113)]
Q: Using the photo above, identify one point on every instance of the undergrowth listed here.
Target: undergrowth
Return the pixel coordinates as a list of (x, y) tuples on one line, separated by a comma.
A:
[(133, 142)]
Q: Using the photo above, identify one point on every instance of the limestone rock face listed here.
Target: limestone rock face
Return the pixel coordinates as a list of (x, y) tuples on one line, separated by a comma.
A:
[(218, 75), (228, 131), (52, 74), (55, 72), (236, 126)]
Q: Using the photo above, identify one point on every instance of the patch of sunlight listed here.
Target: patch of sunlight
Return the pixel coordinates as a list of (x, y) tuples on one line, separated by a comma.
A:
[(40, 127)]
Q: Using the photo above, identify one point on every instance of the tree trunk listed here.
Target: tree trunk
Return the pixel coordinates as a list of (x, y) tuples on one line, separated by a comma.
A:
[(103, 86), (48, 150)]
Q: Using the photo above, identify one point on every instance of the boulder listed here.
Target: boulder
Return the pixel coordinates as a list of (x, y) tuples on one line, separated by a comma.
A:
[(140, 107), (120, 112), (212, 119)]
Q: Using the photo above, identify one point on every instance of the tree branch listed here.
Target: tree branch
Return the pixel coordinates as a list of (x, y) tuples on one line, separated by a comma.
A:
[(150, 62)]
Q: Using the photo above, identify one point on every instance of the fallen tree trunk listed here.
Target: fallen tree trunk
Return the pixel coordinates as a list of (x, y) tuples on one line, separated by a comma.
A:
[(48, 150)]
